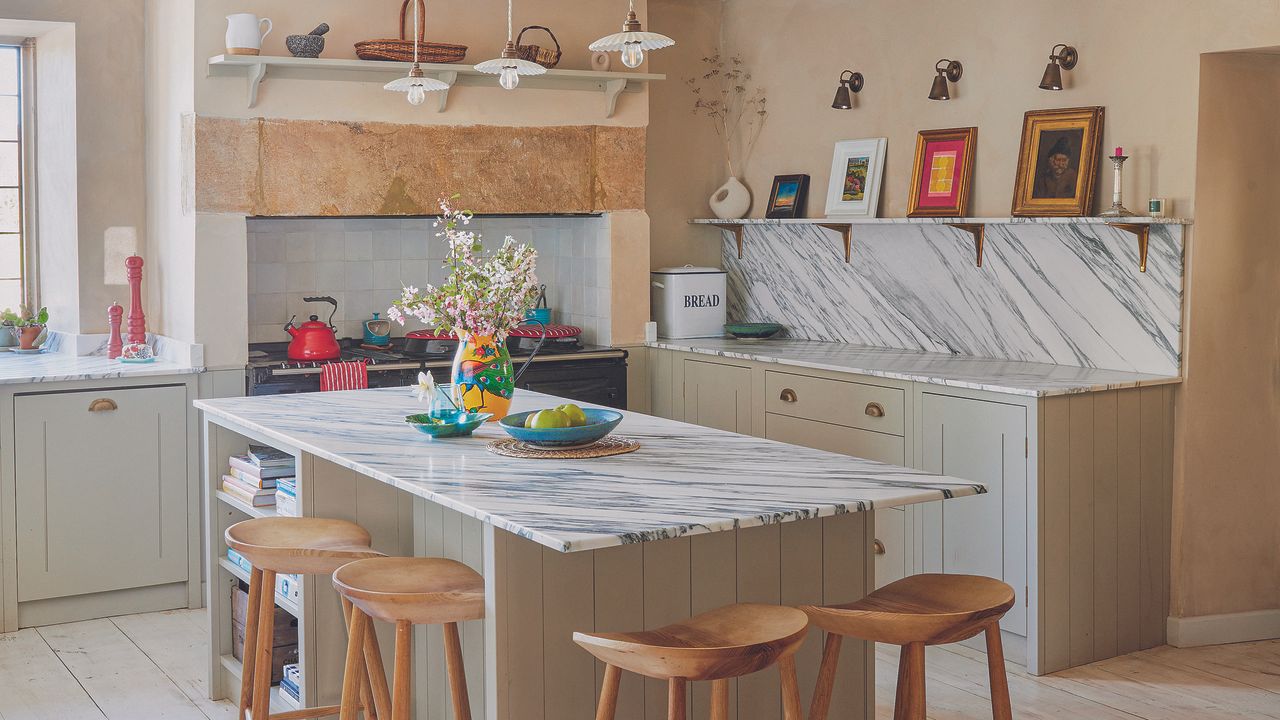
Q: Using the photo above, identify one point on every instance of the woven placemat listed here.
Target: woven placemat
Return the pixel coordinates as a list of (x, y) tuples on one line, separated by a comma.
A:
[(601, 448)]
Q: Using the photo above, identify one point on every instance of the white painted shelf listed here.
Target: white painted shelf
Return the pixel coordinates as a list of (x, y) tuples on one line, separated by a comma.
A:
[(255, 68), (244, 507)]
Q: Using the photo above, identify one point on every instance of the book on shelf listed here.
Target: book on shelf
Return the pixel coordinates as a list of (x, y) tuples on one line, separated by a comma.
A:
[(239, 560), (256, 498), (265, 457), (286, 504), (248, 487), (288, 484), (253, 480), (244, 464)]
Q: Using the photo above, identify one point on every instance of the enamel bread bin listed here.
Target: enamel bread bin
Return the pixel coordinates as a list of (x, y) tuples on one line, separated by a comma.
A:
[(688, 302)]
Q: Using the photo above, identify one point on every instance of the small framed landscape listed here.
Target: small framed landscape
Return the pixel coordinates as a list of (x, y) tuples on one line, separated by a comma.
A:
[(1058, 162), (942, 176), (788, 197), (856, 169)]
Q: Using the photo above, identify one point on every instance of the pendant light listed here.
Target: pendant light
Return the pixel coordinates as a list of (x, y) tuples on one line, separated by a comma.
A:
[(415, 84), (509, 67), (632, 41)]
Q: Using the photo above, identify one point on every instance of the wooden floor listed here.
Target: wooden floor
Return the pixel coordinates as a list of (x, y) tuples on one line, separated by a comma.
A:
[(154, 665)]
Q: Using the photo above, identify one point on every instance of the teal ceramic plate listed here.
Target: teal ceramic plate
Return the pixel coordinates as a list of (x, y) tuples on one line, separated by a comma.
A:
[(753, 331), (599, 424), (459, 424), (32, 351)]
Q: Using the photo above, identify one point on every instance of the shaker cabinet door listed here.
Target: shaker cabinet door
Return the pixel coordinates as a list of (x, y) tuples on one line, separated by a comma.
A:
[(717, 396), (101, 479), (986, 534)]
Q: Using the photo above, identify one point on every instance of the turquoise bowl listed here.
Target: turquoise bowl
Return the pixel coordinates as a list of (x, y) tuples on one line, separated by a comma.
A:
[(457, 424), (753, 331), (599, 424)]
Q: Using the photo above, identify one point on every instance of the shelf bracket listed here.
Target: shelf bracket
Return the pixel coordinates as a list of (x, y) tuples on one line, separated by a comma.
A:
[(612, 89), (846, 232), (448, 77), (736, 229), (979, 233), (257, 71), (1143, 232)]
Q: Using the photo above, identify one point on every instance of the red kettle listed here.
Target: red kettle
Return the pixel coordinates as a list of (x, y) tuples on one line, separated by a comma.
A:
[(314, 340)]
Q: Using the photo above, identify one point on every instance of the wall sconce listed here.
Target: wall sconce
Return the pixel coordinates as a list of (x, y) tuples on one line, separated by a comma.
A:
[(947, 70), (1066, 58), (850, 81)]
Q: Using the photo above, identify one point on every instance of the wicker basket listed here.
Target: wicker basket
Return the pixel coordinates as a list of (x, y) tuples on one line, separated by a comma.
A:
[(401, 50), (544, 57)]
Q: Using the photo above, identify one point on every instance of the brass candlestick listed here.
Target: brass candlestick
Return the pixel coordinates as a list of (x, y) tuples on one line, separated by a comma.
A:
[(1117, 208)]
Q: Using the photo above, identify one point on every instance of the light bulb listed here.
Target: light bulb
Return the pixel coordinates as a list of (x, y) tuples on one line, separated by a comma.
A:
[(417, 95), (632, 55), (509, 78)]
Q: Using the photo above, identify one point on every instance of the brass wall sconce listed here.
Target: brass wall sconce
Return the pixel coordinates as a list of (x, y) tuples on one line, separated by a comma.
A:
[(947, 70), (1059, 59), (850, 81)]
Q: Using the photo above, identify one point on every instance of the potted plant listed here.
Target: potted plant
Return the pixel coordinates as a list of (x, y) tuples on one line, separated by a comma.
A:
[(25, 325)]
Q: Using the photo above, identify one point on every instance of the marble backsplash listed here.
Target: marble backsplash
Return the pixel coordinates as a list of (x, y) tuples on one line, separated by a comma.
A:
[(1048, 291)]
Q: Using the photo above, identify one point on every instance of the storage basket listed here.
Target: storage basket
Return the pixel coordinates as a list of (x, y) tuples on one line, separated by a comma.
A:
[(401, 50), (533, 53)]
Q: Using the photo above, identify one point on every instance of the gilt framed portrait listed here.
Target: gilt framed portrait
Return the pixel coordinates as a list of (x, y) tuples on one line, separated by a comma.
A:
[(856, 169), (1058, 162), (942, 176), (788, 197)]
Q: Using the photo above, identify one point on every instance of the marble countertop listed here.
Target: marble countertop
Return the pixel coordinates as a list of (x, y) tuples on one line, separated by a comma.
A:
[(51, 366), (1003, 376), (684, 479)]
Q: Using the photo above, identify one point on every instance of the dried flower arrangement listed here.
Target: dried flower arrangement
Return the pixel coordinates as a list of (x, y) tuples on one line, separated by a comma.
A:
[(724, 93)]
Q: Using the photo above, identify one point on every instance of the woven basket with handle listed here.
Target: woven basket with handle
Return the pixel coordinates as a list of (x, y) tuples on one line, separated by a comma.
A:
[(401, 50), (543, 56)]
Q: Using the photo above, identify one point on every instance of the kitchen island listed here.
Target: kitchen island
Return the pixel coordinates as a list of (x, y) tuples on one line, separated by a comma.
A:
[(695, 519)]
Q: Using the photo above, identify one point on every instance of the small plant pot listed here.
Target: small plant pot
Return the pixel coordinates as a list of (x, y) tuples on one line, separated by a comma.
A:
[(27, 336)]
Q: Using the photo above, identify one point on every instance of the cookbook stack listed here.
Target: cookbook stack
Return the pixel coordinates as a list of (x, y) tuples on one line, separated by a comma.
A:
[(252, 477)]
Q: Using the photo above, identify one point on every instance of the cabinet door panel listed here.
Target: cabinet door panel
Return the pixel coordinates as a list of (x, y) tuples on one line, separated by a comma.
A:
[(717, 396), (101, 495), (987, 534)]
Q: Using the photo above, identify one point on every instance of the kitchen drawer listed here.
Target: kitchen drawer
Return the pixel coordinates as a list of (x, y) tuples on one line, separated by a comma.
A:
[(836, 438), (869, 407)]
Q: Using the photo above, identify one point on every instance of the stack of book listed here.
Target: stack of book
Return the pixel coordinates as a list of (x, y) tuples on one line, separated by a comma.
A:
[(253, 476), (288, 587), (290, 685), (287, 496)]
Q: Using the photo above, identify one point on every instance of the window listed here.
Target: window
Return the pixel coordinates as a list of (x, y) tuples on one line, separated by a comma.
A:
[(13, 228)]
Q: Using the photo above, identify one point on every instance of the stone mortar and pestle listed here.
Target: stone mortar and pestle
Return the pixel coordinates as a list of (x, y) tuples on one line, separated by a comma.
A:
[(309, 45)]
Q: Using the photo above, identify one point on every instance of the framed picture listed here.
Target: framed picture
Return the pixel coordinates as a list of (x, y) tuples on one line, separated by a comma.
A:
[(1058, 162), (856, 169), (942, 177), (788, 197)]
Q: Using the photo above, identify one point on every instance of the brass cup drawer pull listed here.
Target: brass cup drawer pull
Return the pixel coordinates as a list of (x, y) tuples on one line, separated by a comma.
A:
[(103, 405), (879, 547), (787, 395), (874, 409)]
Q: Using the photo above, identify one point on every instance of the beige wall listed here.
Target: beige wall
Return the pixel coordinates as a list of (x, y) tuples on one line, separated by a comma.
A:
[(1226, 490)]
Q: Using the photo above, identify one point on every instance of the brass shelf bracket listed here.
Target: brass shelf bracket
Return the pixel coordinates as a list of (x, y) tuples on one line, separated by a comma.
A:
[(736, 229), (979, 233), (1143, 232), (846, 233)]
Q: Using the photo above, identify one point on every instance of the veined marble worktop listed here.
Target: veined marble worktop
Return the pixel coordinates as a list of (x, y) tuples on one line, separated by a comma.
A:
[(16, 368), (1003, 376), (683, 480)]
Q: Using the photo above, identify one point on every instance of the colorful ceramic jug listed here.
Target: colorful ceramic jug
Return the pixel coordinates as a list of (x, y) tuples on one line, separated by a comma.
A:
[(483, 379)]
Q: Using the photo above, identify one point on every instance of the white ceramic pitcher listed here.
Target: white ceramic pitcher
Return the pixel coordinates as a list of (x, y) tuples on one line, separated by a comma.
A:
[(245, 33)]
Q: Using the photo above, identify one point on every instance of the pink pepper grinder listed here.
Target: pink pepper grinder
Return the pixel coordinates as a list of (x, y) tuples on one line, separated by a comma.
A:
[(115, 314), (136, 349)]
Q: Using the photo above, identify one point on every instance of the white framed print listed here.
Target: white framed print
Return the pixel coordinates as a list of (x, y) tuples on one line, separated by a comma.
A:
[(856, 169)]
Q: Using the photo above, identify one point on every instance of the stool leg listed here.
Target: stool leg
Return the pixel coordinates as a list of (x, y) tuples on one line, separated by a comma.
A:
[(677, 690), (351, 670), (719, 699), (250, 652), (366, 694), (790, 689), (1000, 707), (821, 704), (608, 706), (403, 671), (377, 674), (264, 646), (900, 702), (915, 682), (457, 674)]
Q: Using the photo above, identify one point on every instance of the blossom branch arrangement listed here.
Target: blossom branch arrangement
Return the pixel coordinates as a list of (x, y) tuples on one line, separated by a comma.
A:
[(737, 110), (485, 295)]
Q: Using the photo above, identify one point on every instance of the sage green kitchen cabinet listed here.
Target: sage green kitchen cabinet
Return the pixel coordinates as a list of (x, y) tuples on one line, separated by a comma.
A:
[(717, 396)]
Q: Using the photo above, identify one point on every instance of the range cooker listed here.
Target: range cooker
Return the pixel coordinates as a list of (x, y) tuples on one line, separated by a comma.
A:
[(586, 373)]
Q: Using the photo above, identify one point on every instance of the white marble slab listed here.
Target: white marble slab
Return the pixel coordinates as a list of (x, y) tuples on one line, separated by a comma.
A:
[(1051, 290), (684, 479), (1002, 376), (52, 366)]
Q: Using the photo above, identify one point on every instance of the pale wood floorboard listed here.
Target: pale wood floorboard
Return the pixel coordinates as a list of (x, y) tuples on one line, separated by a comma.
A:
[(153, 666)]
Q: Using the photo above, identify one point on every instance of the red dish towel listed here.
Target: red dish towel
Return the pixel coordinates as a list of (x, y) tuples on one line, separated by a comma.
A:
[(351, 375)]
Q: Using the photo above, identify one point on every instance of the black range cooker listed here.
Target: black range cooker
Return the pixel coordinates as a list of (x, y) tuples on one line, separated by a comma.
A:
[(586, 373)]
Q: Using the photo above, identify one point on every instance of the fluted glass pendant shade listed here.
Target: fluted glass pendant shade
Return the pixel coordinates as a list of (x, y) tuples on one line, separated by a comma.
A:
[(415, 85), (632, 42), (508, 66)]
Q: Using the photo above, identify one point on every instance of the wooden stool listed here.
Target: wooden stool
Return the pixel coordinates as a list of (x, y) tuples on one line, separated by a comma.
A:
[(725, 643), (408, 592), (913, 612), (296, 546)]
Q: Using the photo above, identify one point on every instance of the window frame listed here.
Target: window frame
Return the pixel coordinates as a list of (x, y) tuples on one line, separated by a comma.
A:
[(27, 196)]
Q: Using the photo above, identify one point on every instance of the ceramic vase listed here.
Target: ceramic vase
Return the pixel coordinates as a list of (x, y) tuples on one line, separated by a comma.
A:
[(731, 200), (483, 380)]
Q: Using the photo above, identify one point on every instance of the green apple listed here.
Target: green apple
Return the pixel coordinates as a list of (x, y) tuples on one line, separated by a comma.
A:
[(577, 418), (548, 420)]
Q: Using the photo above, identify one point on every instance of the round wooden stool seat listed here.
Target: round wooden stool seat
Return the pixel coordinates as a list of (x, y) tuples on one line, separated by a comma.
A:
[(299, 546), (931, 608), (420, 590)]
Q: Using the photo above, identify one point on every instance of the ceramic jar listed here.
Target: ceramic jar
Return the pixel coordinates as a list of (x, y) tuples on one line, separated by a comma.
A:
[(483, 379), (731, 200)]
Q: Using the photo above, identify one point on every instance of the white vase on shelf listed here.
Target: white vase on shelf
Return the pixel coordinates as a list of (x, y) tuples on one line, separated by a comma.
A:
[(731, 200)]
